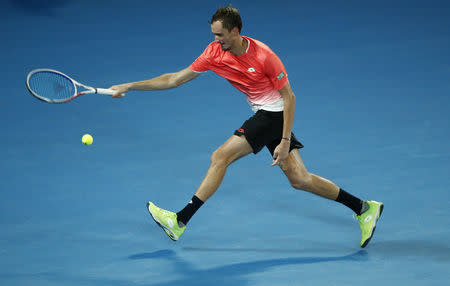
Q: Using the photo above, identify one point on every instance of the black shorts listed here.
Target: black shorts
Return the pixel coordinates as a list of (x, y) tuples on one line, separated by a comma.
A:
[(265, 128)]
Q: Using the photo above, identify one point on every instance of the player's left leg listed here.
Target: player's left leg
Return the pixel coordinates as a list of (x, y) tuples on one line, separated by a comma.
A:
[(368, 212), (301, 179)]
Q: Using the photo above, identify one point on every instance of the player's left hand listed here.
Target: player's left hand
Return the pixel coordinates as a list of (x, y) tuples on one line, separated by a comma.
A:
[(281, 152)]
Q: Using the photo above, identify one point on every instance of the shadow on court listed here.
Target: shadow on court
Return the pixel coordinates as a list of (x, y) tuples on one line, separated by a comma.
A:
[(233, 274)]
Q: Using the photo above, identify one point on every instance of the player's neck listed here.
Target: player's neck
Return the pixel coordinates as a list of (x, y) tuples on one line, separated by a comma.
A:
[(240, 47)]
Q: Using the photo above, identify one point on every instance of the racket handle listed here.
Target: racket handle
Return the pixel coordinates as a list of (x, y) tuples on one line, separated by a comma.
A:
[(105, 91)]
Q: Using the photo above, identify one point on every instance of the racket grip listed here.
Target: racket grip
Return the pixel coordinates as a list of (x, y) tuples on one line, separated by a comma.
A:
[(105, 91)]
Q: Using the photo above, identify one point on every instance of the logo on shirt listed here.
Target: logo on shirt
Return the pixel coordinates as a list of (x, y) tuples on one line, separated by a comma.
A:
[(280, 76), (251, 70)]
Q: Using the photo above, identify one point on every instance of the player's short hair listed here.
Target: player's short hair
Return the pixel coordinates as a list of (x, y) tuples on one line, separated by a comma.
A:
[(229, 16)]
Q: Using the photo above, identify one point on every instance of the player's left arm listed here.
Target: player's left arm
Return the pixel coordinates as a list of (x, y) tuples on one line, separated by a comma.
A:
[(281, 152), (289, 110)]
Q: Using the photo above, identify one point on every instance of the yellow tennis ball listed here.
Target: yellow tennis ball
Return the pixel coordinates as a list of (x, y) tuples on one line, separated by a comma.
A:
[(87, 139)]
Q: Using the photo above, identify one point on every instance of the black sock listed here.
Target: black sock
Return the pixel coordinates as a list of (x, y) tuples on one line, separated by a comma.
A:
[(189, 210), (350, 201)]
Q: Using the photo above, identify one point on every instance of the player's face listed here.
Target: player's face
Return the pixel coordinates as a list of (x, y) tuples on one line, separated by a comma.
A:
[(221, 35)]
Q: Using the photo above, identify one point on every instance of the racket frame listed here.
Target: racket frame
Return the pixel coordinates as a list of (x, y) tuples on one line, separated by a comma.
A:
[(76, 84)]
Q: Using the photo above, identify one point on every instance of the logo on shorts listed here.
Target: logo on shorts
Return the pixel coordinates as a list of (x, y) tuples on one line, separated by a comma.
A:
[(251, 70), (280, 76), (240, 130)]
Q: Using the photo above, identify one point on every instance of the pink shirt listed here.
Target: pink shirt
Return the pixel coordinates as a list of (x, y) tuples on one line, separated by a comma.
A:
[(258, 73)]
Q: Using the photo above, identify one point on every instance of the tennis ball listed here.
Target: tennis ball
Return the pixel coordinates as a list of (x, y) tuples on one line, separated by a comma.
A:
[(87, 139)]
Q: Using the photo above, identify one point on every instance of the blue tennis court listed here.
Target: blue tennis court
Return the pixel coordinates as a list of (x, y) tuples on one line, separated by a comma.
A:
[(373, 95)]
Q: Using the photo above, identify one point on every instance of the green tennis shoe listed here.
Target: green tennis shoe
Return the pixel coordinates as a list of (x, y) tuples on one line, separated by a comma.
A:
[(368, 221), (166, 220)]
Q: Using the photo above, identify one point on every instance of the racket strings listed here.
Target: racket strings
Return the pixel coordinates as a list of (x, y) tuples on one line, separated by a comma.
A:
[(51, 85)]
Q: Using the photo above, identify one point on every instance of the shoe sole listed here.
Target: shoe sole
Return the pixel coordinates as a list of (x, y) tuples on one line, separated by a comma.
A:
[(166, 230), (373, 230)]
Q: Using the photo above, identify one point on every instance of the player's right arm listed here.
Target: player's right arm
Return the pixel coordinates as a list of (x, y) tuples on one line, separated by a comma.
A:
[(165, 81)]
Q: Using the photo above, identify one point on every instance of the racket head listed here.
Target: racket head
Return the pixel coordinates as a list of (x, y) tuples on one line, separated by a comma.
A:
[(51, 86)]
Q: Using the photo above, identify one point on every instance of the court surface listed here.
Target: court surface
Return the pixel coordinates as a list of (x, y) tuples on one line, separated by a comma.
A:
[(373, 95)]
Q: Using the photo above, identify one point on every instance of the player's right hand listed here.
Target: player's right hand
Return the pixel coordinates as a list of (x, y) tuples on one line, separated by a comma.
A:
[(120, 89)]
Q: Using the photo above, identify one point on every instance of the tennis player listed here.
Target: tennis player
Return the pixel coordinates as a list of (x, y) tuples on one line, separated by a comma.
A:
[(255, 70)]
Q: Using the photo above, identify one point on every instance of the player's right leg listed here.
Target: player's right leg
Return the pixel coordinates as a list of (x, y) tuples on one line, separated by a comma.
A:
[(174, 224), (234, 148)]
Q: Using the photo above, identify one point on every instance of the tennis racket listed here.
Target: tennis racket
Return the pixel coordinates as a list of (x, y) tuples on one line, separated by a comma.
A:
[(55, 87)]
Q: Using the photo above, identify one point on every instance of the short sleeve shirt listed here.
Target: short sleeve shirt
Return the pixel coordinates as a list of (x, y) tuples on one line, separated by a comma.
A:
[(258, 72)]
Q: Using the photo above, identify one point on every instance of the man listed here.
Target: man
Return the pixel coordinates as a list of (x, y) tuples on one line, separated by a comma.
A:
[(254, 69)]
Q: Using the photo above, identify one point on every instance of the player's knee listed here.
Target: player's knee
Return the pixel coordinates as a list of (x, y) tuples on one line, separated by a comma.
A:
[(219, 158), (302, 181)]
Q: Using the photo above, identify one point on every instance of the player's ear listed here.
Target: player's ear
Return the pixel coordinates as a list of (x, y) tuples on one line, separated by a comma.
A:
[(235, 31)]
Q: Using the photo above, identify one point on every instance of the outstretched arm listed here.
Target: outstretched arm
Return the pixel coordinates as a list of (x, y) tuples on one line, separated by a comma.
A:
[(165, 81)]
